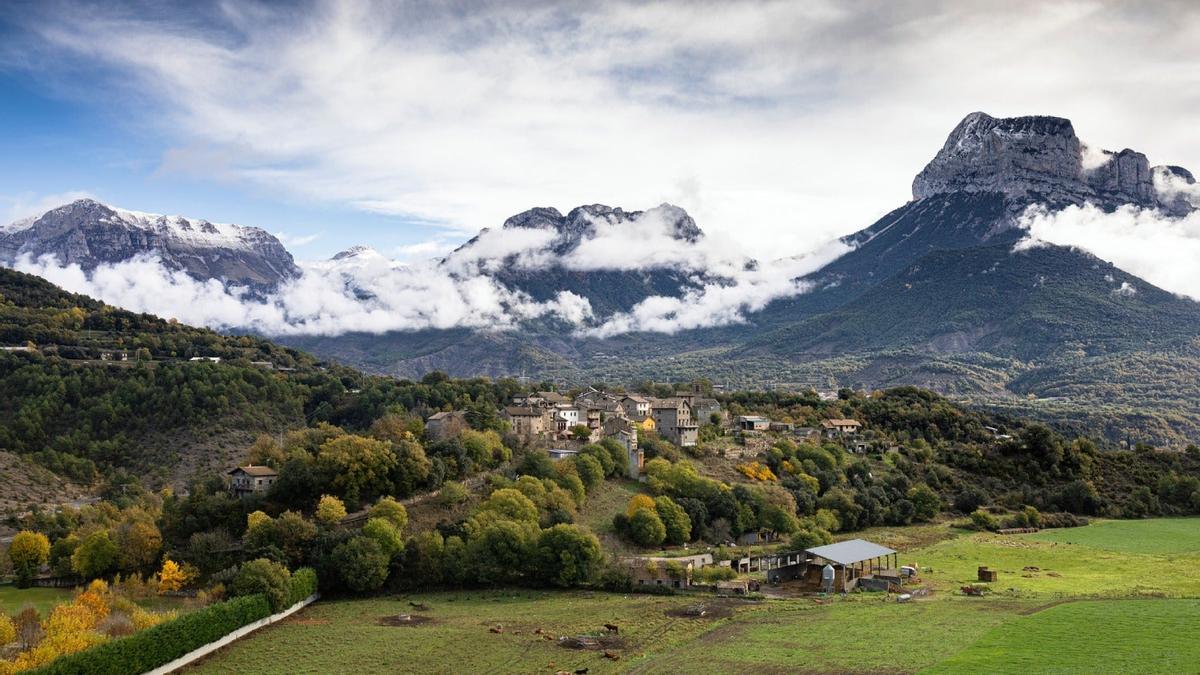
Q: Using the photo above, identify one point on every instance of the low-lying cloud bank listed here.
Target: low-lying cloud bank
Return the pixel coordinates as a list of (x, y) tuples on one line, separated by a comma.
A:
[(365, 291), (1162, 250)]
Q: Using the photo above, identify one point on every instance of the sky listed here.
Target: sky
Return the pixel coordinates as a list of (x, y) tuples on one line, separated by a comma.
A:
[(408, 127)]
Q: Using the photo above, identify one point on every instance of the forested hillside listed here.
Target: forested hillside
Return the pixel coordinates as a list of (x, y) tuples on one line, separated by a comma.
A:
[(69, 401)]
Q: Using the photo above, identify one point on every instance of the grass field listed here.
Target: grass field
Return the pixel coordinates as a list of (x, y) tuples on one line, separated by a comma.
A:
[(1043, 624), (1160, 536), (1106, 636), (12, 599)]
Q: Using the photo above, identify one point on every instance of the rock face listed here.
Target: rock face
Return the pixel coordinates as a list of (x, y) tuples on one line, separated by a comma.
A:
[(89, 234), (1036, 159), (580, 223)]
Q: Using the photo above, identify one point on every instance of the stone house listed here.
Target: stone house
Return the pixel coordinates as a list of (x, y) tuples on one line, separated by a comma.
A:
[(446, 424), (840, 427), (636, 408), (674, 422), (245, 481), (528, 423)]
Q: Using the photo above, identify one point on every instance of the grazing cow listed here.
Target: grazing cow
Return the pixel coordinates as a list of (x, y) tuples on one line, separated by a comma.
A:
[(612, 628)]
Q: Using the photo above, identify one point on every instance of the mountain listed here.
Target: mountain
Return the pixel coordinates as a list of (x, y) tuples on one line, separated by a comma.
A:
[(941, 292), (595, 251), (88, 233)]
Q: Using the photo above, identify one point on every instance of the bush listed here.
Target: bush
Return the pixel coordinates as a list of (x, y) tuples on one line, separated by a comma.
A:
[(155, 646), (982, 520), (302, 584), (265, 577)]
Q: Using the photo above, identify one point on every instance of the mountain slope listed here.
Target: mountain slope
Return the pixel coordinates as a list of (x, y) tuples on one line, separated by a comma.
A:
[(1027, 304), (88, 233)]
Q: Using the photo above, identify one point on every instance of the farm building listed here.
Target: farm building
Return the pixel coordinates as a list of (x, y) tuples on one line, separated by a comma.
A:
[(753, 423), (850, 561)]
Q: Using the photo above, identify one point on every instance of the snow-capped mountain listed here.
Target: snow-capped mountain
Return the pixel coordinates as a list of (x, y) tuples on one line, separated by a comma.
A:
[(88, 233)]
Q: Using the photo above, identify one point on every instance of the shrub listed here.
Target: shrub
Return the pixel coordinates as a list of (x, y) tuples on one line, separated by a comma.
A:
[(264, 577), (452, 494), (302, 584), (982, 520), (155, 646)]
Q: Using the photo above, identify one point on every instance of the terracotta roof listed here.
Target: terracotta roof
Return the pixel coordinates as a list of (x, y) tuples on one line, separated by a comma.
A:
[(251, 470), (841, 423)]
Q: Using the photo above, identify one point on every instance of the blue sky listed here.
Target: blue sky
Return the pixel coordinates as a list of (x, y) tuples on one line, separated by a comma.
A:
[(409, 127), (58, 144)]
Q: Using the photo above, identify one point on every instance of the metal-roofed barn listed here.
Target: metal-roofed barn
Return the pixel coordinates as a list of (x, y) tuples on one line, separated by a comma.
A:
[(852, 560)]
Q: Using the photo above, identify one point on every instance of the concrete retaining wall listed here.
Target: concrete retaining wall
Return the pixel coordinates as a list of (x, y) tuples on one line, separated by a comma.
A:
[(211, 647)]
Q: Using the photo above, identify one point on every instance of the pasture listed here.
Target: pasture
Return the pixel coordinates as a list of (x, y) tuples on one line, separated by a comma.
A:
[(1087, 608)]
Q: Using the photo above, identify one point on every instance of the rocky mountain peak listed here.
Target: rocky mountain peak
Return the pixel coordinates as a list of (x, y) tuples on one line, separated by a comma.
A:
[(89, 233), (580, 222), (1035, 158)]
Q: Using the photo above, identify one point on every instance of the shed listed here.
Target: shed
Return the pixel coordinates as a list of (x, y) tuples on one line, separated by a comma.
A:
[(853, 559)]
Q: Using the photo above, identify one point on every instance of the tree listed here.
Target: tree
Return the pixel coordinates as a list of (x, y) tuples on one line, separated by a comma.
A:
[(412, 467), (386, 534), (391, 510), (361, 563), (8, 629), (139, 543), (590, 471), (581, 432), (171, 577), (567, 555), (96, 556), (28, 552), (810, 537), (266, 577), (509, 503), (676, 521), (330, 510), (293, 534), (256, 518), (503, 550), (360, 467), (638, 502), (646, 528), (926, 503)]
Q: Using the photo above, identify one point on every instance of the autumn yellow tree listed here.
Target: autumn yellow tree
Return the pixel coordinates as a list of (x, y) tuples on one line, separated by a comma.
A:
[(256, 518), (171, 578), (637, 503), (8, 630), (330, 510), (28, 551)]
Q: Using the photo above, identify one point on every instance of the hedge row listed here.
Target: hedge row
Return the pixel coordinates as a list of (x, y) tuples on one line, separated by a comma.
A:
[(168, 641), (303, 584)]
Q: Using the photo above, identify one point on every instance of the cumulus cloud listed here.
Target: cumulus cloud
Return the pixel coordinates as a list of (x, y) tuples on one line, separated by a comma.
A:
[(1145, 242), (764, 119)]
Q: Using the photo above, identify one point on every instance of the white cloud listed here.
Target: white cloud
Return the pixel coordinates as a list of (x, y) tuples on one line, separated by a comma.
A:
[(365, 291), (784, 124), (298, 240), (22, 206), (325, 300), (1143, 242)]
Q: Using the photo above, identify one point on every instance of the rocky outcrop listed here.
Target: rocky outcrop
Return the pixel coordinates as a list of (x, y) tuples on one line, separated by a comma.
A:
[(1037, 159), (88, 233), (580, 222)]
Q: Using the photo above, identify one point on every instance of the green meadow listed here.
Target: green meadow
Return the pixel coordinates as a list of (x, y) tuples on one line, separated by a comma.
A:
[(1110, 597)]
